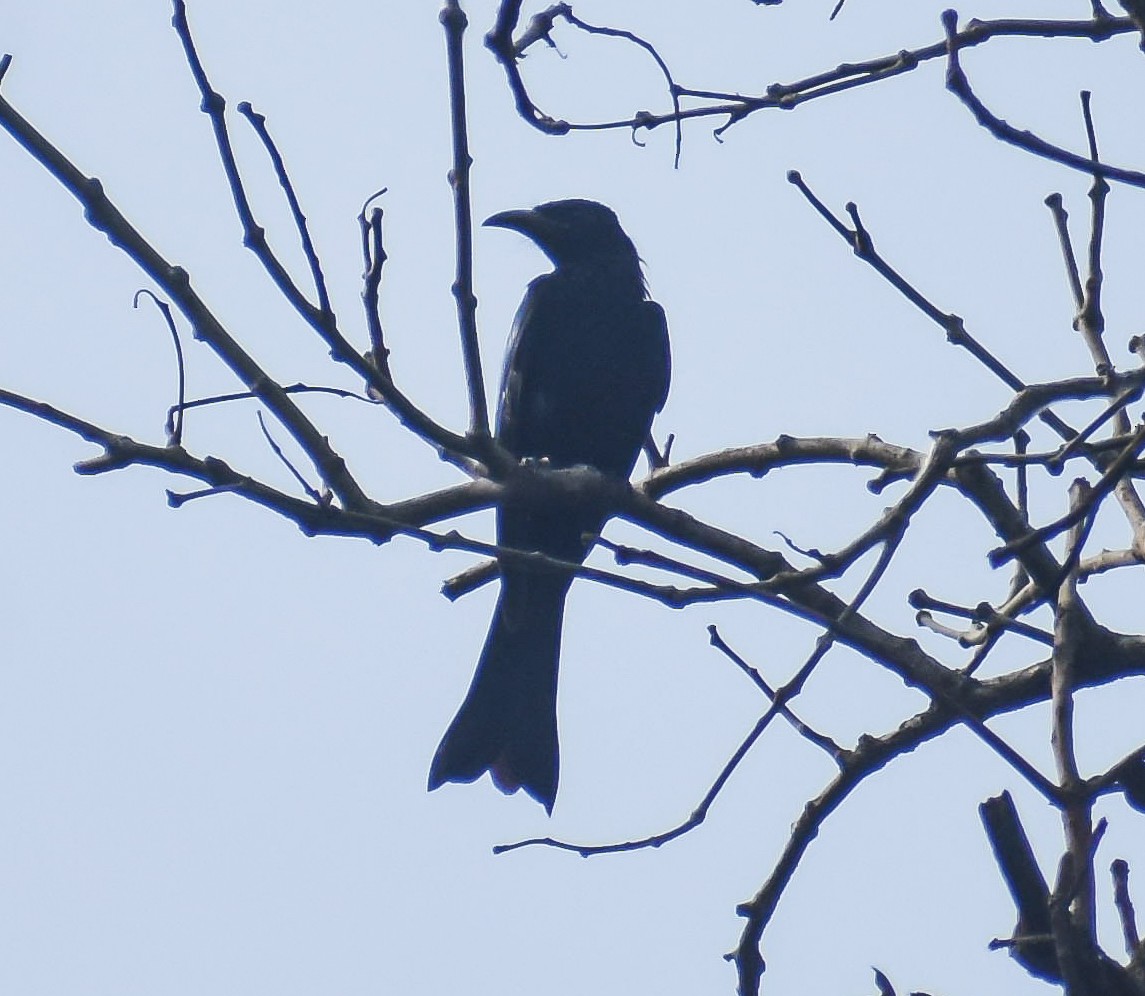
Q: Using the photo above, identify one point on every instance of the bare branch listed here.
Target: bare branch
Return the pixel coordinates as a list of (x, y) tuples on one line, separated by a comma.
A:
[(103, 215), (959, 85), (1077, 803), (1119, 871), (736, 107), (951, 324), (454, 21), (820, 740)]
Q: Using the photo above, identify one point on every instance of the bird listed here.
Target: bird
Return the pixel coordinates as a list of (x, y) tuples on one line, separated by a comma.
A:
[(586, 370)]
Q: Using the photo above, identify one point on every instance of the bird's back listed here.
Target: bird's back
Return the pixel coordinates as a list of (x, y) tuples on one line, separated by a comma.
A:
[(586, 372)]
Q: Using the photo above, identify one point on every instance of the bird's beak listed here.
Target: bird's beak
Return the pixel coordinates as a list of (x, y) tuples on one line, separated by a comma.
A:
[(527, 222), (516, 220)]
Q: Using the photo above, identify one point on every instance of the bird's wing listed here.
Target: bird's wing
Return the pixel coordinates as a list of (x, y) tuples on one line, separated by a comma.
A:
[(659, 353), (521, 358)]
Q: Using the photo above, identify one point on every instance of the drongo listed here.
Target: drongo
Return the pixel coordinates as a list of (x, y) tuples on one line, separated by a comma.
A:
[(586, 370)]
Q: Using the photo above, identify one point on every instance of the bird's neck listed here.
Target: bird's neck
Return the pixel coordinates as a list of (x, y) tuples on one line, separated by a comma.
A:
[(616, 275)]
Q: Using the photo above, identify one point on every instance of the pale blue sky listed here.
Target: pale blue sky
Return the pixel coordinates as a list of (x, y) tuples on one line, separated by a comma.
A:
[(214, 732)]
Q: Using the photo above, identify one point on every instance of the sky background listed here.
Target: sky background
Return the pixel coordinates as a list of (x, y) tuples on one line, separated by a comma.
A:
[(215, 732)]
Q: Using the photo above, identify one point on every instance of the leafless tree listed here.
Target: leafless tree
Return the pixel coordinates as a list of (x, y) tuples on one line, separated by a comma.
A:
[(990, 466)]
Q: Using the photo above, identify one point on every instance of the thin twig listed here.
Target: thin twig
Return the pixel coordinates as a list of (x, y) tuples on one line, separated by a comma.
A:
[(105, 217), (984, 614), (254, 236), (953, 325), (958, 84), (310, 492), (449, 445), (736, 107), (1061, 226), (673, 90), (1090, 321), (782, 696), (374, 258), (174, 423), (1108, 481), (1119, 871), (1115, 409), (258, 122), (820, 740)]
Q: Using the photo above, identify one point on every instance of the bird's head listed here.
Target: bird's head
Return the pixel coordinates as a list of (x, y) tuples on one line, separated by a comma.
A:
[(572, 232)]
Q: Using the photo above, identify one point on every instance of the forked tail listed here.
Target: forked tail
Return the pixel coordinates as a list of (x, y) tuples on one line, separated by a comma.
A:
[(507, 724)]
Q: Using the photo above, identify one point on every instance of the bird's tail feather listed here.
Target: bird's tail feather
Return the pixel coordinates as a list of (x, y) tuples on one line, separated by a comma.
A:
[(507, 724)]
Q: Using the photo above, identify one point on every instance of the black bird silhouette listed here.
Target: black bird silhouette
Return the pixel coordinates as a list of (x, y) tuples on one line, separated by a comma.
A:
[(586, 370)]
